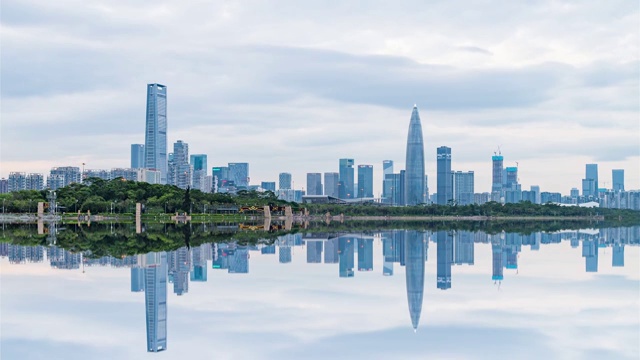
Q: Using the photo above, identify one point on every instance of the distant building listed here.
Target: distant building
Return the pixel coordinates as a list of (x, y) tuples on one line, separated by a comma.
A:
[(346, 182), (463, 187), (199, 164), (345, 256), (496, 184), (137, 279), (314, 183), (126, 174), (331, 180), (4, 186), (155, 143), (222, 175), (97, 173), (65, 175), (268, 186), (181, 172), (239, 174), (284, 181), (590, 181), (444, 189), (314, 251), (137, 156), (365, 181), (445, 259), (618, 179), (150, 176), (414, 173), (365, 254), (156, 303), (17, 181)]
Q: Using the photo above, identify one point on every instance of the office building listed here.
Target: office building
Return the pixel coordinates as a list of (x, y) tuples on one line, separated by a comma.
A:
[(137, 156), (445, 259), (199, 164), (346, 182), (496, 183), (365, 254), (387, 169), (345, 256), (394, 188), (156, 303), (137, 279), (239, 174), (284, 254), (365, 181), (512, 178), (284, 181), (414, 255), (314, 251), (617, 176), (331, 180), (535, 190), (67, 174), (155, 142), (180, 171), (444, 188), (590, 181), (221, 173), (268, 186), (331, 253), (314, 184), (414, 176), (463, 187), (124, 173)]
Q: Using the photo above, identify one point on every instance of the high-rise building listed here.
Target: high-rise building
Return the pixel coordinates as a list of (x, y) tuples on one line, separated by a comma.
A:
[(331, 254), (97, 173), (617, 176), (156, 303), (444, 189), (496, 184), (314, 251), (199, 164), (137, 156), (314, 184), (221, 173), (463, 243), (67, 174), (365, 254), (4, 186), (463, 187), (387, 169), (268, 186), (535, 189), (590, 181), (155, 141), (414, 255), (365, 181), (284, 181), (17, 181), (414, 176), (137, 279), (512, 178), (346, 183), (239, 174), (331, 180)]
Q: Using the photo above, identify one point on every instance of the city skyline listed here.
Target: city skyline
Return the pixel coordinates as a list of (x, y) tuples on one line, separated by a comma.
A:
[(550, 106)]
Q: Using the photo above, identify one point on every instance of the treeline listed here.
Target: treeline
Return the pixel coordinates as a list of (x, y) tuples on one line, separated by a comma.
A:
[(120, 196)]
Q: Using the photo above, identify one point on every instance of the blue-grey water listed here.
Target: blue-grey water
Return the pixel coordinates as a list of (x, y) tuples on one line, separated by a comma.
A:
[(397, 294)]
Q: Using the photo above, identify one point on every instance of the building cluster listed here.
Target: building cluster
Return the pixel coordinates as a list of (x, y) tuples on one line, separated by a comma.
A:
[(153, 272), (152, 162)]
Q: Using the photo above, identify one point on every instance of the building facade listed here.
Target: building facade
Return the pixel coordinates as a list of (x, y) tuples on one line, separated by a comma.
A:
[(331, 180), (284, 181), (155, 141), (444, 188), (314, 184), (346, 182), (137, 156), (365, 181), (414, 176)]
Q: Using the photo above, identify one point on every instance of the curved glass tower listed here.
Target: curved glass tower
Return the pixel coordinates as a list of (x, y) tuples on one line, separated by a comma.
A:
[(414, 254), (414, 189)]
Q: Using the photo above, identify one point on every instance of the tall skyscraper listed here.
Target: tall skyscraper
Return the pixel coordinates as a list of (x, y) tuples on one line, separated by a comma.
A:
[(331, 180), (512, 178), (444, 188), (618, 179), (387, 169), (314, 251), (346, 183), (445, 258), (414, 176), (414, 255), (365, 254), (590, 181), (365, 181), (239, 174), (314, 184), (268, 185), (221, 173), (156, 303), (284, 181), (496, 184), (181, 171), (199, 164), (345, 256), (155, 141), (137, 156), (463, 187)]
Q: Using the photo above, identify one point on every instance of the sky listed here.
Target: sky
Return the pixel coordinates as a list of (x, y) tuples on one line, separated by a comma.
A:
[(548, 308), (294, 86)]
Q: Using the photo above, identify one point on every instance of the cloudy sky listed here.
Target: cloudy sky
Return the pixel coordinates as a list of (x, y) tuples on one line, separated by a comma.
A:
[(294, 86)]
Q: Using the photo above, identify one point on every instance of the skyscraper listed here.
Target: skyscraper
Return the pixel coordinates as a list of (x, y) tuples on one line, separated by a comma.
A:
[(618, 179), (345, 185), (414, 176), (512, 178), (155, 141), (239, 174), (590, 181), (387, 169), (331, 180), (496, 184), (221, 174), (137, 156), (156, 303), (284, 181), (314, 251), (181, 174), (463, 187), (198, 163), (345, 256), (444, 188), (445, 258), (314, 184), (365, 254), (268, 185), (365, 181), (414, 254)]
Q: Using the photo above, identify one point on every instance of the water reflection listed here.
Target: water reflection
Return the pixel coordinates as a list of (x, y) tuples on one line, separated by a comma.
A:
[(154, 272)]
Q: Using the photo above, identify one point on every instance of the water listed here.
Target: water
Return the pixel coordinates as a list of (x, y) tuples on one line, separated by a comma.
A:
[(570, 294)]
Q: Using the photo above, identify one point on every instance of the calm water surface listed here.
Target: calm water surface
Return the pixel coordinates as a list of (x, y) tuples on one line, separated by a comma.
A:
[(397, 294)]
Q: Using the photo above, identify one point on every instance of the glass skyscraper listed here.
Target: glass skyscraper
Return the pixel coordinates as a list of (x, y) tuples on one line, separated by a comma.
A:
[(314, 184), (137, 156), (284, 181), (346, 183), (331, 180), (414, 176), (414, 254), (618, 179), (498, 163), (156, 303), (239, 174), (444, 188), (387, 169), (155, 141), (365, 181)]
